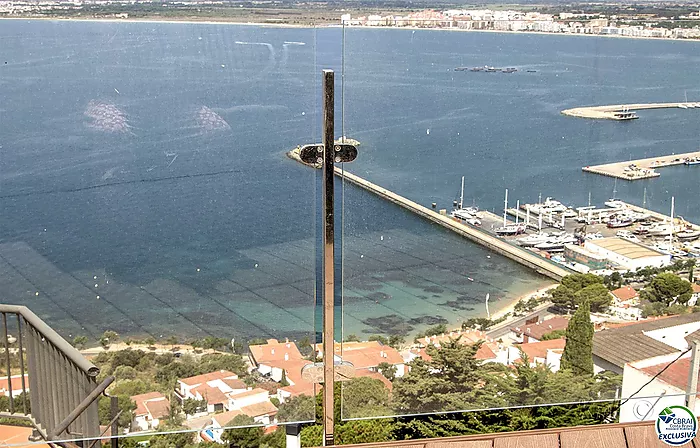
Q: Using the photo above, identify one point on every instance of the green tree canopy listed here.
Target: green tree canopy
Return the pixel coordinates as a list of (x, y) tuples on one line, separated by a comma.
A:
[(569, 293), (364, 397), (243, 437), (666, 288), (297, 409), (578, 352), (451, 380), (597, 296)]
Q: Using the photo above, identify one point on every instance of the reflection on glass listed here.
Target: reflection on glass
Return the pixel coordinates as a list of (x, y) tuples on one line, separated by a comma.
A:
[(150, 217), (495, 272)]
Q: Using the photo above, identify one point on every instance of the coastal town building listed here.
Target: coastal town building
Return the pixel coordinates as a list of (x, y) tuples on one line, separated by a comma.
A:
[(615, 347), (213, 387), (534, 330), (523, 21), (366, 355), (282, 362), (151, 408), (489, 351), (628, 254), (663, 377), (15, 384), (625, 304), (546, 353)]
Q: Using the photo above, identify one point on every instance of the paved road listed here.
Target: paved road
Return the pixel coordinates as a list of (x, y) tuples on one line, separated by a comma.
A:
[(504, 328)]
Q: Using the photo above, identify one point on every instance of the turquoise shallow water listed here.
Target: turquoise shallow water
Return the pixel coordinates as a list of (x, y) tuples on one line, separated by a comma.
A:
[(144, 163)]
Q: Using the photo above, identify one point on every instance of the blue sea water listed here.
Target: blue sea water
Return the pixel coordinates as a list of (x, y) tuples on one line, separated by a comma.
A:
[(144, 187)]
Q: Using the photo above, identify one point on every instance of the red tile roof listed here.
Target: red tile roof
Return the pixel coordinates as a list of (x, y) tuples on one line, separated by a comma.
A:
[(211, 376), (376, 375), (248, 393), (275, 351), (539, 349), (625, 293), (627, 435), (235, 383), (18, 437), (142, 398), (696, 287), (224, 418), (212, 395), (16, 384), (485, 352), (158, 408), (541, 328), (259, 409), (676, 374)]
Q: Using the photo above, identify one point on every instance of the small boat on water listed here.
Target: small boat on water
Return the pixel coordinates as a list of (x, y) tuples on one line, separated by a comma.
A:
[(692, 161)]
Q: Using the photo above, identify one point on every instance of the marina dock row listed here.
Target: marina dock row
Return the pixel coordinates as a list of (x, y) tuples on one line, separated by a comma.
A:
[(621, 112), (642, 168), (491, 242)]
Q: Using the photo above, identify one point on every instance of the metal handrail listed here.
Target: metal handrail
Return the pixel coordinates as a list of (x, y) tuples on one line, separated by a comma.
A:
[(54, 338), (75, 413)]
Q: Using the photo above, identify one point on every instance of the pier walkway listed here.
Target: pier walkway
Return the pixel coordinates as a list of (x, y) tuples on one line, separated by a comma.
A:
[(620, 112), (494, 243), (640, 168)]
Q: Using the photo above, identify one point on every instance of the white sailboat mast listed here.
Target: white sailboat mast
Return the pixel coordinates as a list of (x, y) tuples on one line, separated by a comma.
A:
[(505, 208), (461, 196), (517, 211), (488, 313)]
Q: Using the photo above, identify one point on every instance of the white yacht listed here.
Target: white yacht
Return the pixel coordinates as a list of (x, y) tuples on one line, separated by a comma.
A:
[(550, 205), (535, 238), (627, 235)]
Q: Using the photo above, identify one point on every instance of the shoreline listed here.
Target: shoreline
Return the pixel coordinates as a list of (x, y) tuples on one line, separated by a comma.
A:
[(540, 292), (213, 21)]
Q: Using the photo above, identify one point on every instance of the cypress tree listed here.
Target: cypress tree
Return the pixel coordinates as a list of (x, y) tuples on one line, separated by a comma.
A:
[(578, 352)]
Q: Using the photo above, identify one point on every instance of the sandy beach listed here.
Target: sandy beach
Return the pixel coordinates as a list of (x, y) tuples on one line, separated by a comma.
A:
[(228, 21), (541, 292)]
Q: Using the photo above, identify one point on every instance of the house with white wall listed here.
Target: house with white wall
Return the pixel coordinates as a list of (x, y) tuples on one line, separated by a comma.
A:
[(212, 387), (539, 353), (656, 383), (151, 408), (615, 347)]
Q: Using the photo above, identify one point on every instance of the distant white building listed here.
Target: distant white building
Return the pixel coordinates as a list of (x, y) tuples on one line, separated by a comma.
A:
[(627, 254)]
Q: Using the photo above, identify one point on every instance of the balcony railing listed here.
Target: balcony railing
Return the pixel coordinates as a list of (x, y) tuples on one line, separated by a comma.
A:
[(56, 389)]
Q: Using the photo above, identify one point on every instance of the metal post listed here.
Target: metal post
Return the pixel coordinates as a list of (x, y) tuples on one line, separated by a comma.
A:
[(691, 393), (7, 359), (328, 256), (114, 413), (293, 436), (21, 363)]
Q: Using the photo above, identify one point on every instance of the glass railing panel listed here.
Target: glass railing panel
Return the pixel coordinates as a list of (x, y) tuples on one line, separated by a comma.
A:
[(449, 306), (151, 217)]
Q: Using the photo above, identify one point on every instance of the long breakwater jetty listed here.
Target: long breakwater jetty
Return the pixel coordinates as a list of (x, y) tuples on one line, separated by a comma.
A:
[(643, 168), (493, 243), (621, 112)]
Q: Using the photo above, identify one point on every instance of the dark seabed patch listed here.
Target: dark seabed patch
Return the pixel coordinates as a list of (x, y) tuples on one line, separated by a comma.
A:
[(433, 289), (389, 324), (377, 296), (428, 320)]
